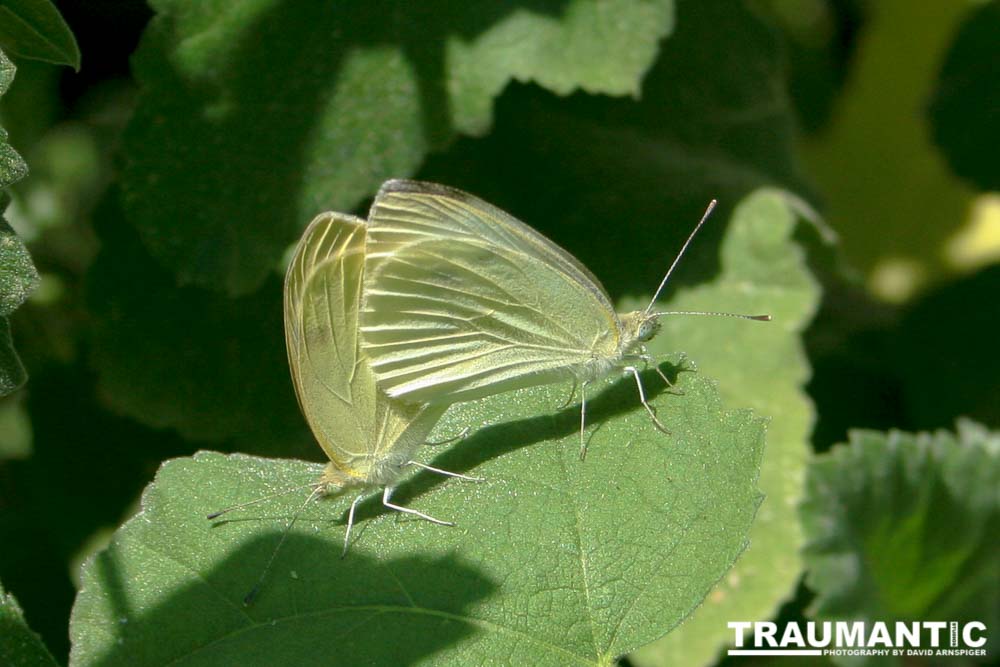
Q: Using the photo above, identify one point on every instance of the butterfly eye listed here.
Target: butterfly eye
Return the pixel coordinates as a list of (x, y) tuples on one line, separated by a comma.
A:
[(647, 330)]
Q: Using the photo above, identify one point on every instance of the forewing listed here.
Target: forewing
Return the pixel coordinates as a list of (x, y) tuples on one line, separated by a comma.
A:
[(459, 317), (406, 211)]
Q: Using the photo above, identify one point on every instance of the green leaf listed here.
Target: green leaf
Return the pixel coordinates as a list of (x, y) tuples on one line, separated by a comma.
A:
[(17, 273), (903, 527), (18, 276), (35, 29), (619, 183), (264, 113), (554, 561), (762, 365), (19, 646), (12, 373), (12, 167), (963, 109)]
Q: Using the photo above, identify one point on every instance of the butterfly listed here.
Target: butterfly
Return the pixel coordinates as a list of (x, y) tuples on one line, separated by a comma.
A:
[(462, 300), (369, 438)]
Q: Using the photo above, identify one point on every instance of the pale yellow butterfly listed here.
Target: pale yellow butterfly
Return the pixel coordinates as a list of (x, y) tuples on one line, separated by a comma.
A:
[(462, 300), (369, 438)]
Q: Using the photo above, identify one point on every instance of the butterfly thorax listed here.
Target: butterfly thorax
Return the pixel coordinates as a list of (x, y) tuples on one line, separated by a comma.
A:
[(634, 330), (364, 471)]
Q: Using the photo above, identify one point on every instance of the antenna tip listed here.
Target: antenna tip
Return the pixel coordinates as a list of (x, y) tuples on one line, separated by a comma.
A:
[(214, 515), (761, 318)]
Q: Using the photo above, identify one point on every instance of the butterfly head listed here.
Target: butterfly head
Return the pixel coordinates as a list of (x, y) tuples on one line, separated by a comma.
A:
[(639, 327)]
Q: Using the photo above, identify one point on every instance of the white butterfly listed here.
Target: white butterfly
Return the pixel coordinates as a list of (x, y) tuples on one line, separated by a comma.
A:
[(462, 300)]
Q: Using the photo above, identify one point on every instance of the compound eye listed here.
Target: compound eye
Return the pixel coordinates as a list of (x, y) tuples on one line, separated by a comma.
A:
[(645, 331)]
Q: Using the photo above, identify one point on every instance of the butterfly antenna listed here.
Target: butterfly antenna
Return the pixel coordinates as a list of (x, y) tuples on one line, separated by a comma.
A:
[(249, 598), (663, 283), (216, 515), (758, 318)]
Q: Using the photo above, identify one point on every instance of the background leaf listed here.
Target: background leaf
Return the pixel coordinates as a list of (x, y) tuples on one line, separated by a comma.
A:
[(872, 201), (18, 276), (903, 527), (619, 183), (12, 373), (763, 366), (171, 357), (12, 167), (15, 425), (963, 109), (34, 29), (344, 109), (611, 552), (19, 646)]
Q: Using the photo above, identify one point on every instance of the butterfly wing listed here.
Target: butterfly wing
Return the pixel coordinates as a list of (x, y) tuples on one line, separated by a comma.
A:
[(355, 423), (462, 300)]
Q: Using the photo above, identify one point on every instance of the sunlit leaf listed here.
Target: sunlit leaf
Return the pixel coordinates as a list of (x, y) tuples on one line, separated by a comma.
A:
[(554, 561), (760, 365)]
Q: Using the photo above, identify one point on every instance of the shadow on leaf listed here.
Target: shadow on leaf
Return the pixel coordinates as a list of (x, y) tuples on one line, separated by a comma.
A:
[(315, 608), (493, 441)]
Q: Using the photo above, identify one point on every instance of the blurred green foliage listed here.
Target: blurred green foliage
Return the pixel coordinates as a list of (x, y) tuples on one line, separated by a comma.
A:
[(140, 260)]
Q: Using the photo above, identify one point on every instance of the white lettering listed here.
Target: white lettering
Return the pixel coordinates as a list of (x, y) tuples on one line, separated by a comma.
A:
[(765, 631), (967, 634), (907, 634), (935, 627), (792, 636), (739, 626), (850, 634), (880, 635), (819, 642)]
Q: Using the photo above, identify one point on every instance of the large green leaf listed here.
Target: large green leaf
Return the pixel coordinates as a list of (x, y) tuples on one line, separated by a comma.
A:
[(19, 646), (554, 561), (763, 366), (903, 527), (264, 113), (35, 29)]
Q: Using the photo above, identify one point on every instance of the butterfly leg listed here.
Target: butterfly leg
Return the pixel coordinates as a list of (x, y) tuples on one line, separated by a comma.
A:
[(646, 358), (448, 441), (350, 524), (642, 397), (406, 510), (569, 399), (583, 418), (444, 472)]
